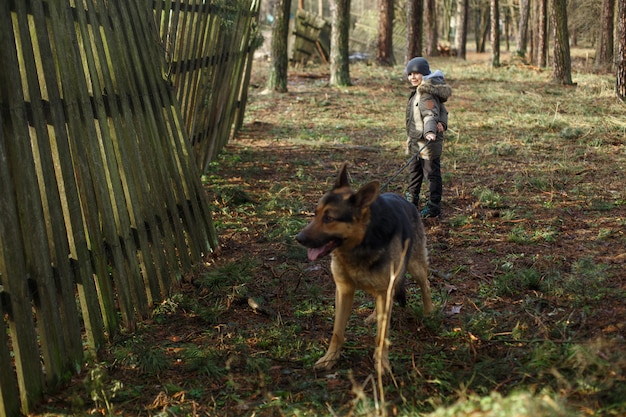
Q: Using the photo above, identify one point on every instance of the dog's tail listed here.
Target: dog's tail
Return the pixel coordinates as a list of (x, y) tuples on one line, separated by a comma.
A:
[(399, 294)]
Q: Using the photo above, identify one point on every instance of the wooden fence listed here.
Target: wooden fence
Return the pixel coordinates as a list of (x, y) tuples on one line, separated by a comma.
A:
[(105, 108), (209, 59)]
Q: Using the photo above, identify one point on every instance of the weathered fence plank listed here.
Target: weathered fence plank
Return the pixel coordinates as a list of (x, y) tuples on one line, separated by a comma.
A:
[(209, 77), (309, 32), (195, 210), (120, 154), (103, 210), (84, 144), (85, 258), (15, 294), (38, 277), (9, 395), (62, 290), (165, 164), (72, 242), (16, 297)]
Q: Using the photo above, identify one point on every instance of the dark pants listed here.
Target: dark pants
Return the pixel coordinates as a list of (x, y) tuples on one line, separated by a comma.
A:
[(431, 169)]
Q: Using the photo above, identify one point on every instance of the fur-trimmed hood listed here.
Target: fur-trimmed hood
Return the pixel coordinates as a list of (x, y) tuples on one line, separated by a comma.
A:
[(435, 85)]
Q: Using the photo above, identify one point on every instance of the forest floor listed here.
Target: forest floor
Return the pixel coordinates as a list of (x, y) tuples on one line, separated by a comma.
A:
[(527, 262)]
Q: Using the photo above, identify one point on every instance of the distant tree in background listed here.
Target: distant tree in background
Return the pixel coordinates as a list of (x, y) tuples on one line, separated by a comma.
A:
[(460, 37), (508, 17), (541, 49), (340, 43), (495, 33), (277, 77), (604, 49), (430, 27), (445, 14), (562, 59), (384, 51), (481, 24), (415, 26), (585, 21), (620, 79), (522, 28)]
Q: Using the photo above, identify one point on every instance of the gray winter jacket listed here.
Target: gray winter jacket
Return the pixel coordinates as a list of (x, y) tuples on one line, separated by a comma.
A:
[(424, 109)]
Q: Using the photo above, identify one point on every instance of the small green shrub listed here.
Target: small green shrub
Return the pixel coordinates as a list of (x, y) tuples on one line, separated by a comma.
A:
[(205, 361), (585, 283), (488, 197), (459, 221), (516, 282), (102, 389), (229, 275), (153, 361)]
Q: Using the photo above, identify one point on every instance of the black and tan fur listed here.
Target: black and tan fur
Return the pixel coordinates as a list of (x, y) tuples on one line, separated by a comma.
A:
[(365, 233)]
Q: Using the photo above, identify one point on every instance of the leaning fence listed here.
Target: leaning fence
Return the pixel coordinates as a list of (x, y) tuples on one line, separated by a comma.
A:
[(209, 58), (109, 110)]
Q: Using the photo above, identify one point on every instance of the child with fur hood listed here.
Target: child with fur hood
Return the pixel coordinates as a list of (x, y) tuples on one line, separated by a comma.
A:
[(426, 120)]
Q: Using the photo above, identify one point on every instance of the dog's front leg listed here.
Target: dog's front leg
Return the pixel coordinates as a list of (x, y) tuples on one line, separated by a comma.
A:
[(344, 297), (383, 318)]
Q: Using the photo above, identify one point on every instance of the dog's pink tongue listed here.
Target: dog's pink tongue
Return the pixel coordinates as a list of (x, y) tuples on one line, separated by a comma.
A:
[(314, 253)]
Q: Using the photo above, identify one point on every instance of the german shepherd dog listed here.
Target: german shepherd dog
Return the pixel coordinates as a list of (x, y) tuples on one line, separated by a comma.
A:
[(366, 234)]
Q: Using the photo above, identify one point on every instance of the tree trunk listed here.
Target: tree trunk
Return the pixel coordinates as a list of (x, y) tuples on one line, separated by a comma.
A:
[(542, 34), (495, 34), (620, 79), (482, 29), (604, 50), (507, 28), (446, 18), (384, 51), (415, 24), (430, 24), (460, 39), (522, 31), (562, 60), (277, 78), (339, 43)]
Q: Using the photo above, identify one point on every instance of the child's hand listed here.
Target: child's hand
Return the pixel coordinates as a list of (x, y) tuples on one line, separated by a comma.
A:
[(440, 127)]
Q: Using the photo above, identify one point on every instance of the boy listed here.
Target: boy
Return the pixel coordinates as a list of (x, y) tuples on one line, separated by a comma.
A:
[(426, 120)]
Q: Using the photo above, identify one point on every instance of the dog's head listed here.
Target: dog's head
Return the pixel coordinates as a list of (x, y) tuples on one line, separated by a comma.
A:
[(341, 217)]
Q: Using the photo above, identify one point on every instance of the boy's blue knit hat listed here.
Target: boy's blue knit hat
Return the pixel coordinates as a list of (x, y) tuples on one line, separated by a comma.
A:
[(419, 65)]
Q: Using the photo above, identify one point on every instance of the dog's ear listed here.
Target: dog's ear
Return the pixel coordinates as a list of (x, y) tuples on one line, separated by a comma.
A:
[(366, 194), (342, 178)]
